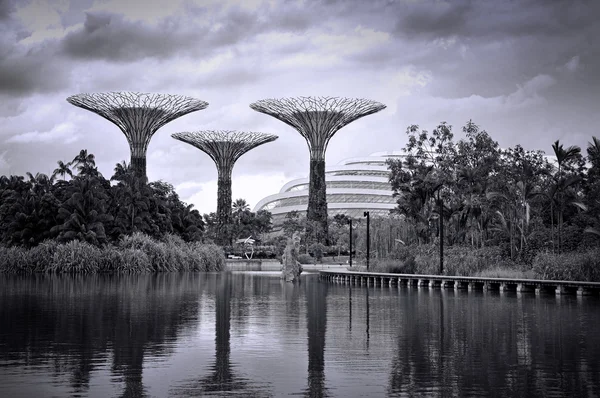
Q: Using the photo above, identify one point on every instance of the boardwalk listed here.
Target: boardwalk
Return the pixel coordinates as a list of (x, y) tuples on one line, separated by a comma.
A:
[(460, 282)]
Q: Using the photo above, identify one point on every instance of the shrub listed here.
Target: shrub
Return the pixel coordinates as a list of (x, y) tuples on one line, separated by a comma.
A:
[(75, 256), (12, 260), (134, 254), (505, 272), (207, 257), (579, 266), (306, 259), (393, 266), (317, 249)]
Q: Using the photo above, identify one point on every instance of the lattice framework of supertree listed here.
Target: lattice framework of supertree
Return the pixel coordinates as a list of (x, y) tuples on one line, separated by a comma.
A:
[(224, 147), (138, 115), (317, 119)]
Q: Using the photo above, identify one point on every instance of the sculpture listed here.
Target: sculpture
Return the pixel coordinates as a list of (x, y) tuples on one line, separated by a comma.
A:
[(225, 148), (291, 268), (317, 119), (138, 115)]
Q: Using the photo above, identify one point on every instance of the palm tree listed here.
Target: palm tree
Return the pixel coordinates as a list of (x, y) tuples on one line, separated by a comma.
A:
[(563, 156), (239, 206), (84, 162), (121, 169), (63, 169)]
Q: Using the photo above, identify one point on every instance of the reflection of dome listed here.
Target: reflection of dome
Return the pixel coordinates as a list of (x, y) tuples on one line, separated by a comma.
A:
[(354, 186)]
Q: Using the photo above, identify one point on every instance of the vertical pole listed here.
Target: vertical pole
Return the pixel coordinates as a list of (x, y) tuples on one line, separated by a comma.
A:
[(441, 235), (366, 214), (350, 261)]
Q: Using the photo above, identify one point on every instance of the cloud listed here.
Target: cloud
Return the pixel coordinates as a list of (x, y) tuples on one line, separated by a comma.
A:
[(476, 20), (108, 36), (64, 132), (4, 164), (573, 64)]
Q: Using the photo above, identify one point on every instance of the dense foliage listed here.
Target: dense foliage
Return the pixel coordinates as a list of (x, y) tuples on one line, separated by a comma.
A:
[(89, 208), (473, 193)]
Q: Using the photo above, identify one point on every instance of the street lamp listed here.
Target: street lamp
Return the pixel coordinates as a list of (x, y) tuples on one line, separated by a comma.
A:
[(350, 260), (366, 214)]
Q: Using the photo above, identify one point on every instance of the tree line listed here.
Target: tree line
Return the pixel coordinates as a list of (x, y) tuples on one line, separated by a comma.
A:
[(471, 192), (76, 202)]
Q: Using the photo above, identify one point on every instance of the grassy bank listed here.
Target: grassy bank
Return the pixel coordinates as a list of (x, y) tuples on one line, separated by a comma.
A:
[(134, 254), (490, 262)]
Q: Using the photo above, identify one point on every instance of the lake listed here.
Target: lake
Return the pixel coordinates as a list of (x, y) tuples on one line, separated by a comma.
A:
[(251, 334)]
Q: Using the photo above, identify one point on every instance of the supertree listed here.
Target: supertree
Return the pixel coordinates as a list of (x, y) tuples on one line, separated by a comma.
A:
[(317, 119), (138, 115), (225, 148)]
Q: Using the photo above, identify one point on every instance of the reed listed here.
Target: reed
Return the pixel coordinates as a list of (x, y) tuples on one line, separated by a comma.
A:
[(137, 253)]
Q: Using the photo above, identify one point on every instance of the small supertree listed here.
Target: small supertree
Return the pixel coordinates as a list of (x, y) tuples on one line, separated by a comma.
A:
[(138, 115), (317, 119), (225, 148)]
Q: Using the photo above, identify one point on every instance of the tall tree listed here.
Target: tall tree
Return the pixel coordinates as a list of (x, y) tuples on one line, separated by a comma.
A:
[(563, 181), (63, 170)]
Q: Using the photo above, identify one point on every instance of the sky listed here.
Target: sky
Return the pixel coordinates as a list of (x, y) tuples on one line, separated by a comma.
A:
[(526, 71)]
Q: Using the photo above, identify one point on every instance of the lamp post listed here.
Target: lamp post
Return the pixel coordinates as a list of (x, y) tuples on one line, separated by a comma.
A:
[(350, 260), (366, 214)]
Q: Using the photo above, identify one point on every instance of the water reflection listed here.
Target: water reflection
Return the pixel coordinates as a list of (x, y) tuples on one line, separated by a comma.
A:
[(222, 378), (254, 335), (72, 322), (316, 320)]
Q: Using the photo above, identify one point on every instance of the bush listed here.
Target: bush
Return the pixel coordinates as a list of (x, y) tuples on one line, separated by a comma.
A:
[(394, 266), (317, 249), (574, 266), (75, 256), (13, 260), (306, 259), (206, 257), (134, 254)]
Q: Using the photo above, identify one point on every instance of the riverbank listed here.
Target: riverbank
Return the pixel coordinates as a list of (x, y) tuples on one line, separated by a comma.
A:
[(137, 253)]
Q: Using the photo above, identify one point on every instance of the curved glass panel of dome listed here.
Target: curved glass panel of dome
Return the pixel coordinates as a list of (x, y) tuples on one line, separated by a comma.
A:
[(354, 185), (331, 198), (383, 173)]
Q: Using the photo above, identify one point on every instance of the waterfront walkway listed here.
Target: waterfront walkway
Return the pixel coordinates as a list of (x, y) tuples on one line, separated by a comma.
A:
[(460, 282)]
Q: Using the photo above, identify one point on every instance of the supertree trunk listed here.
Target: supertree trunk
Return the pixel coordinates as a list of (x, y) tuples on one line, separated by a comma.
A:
[(317, 200), (224, 200), (317, 119), (138, 165)]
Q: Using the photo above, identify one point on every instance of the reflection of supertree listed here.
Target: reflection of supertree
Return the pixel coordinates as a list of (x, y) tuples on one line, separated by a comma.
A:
[(316, 319), (224, 148), (138, 115), (222, 377), (317, 119)]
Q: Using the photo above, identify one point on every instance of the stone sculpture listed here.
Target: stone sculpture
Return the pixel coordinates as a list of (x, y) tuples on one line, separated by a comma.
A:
[(291, 268)]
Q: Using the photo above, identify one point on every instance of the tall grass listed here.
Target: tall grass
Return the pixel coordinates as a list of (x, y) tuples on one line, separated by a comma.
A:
[(579, 266), (458, 260), (134, 254)]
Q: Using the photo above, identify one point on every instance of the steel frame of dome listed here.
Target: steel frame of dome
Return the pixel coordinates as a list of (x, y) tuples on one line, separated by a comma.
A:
[(357, 171)]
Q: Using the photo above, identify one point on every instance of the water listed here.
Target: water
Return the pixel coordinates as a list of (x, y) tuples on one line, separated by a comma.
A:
[(250, 334)]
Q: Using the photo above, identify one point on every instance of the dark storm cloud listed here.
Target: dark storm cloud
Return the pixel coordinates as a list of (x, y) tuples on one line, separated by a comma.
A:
[(111, 37), (25, 69), (480, 19)]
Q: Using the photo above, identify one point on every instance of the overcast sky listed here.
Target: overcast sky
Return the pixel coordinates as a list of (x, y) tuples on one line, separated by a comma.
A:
[(527, 71)]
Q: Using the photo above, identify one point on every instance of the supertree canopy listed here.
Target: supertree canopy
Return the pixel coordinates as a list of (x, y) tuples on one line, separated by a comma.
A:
[(317, 119), (225, 148), (138, 115)]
